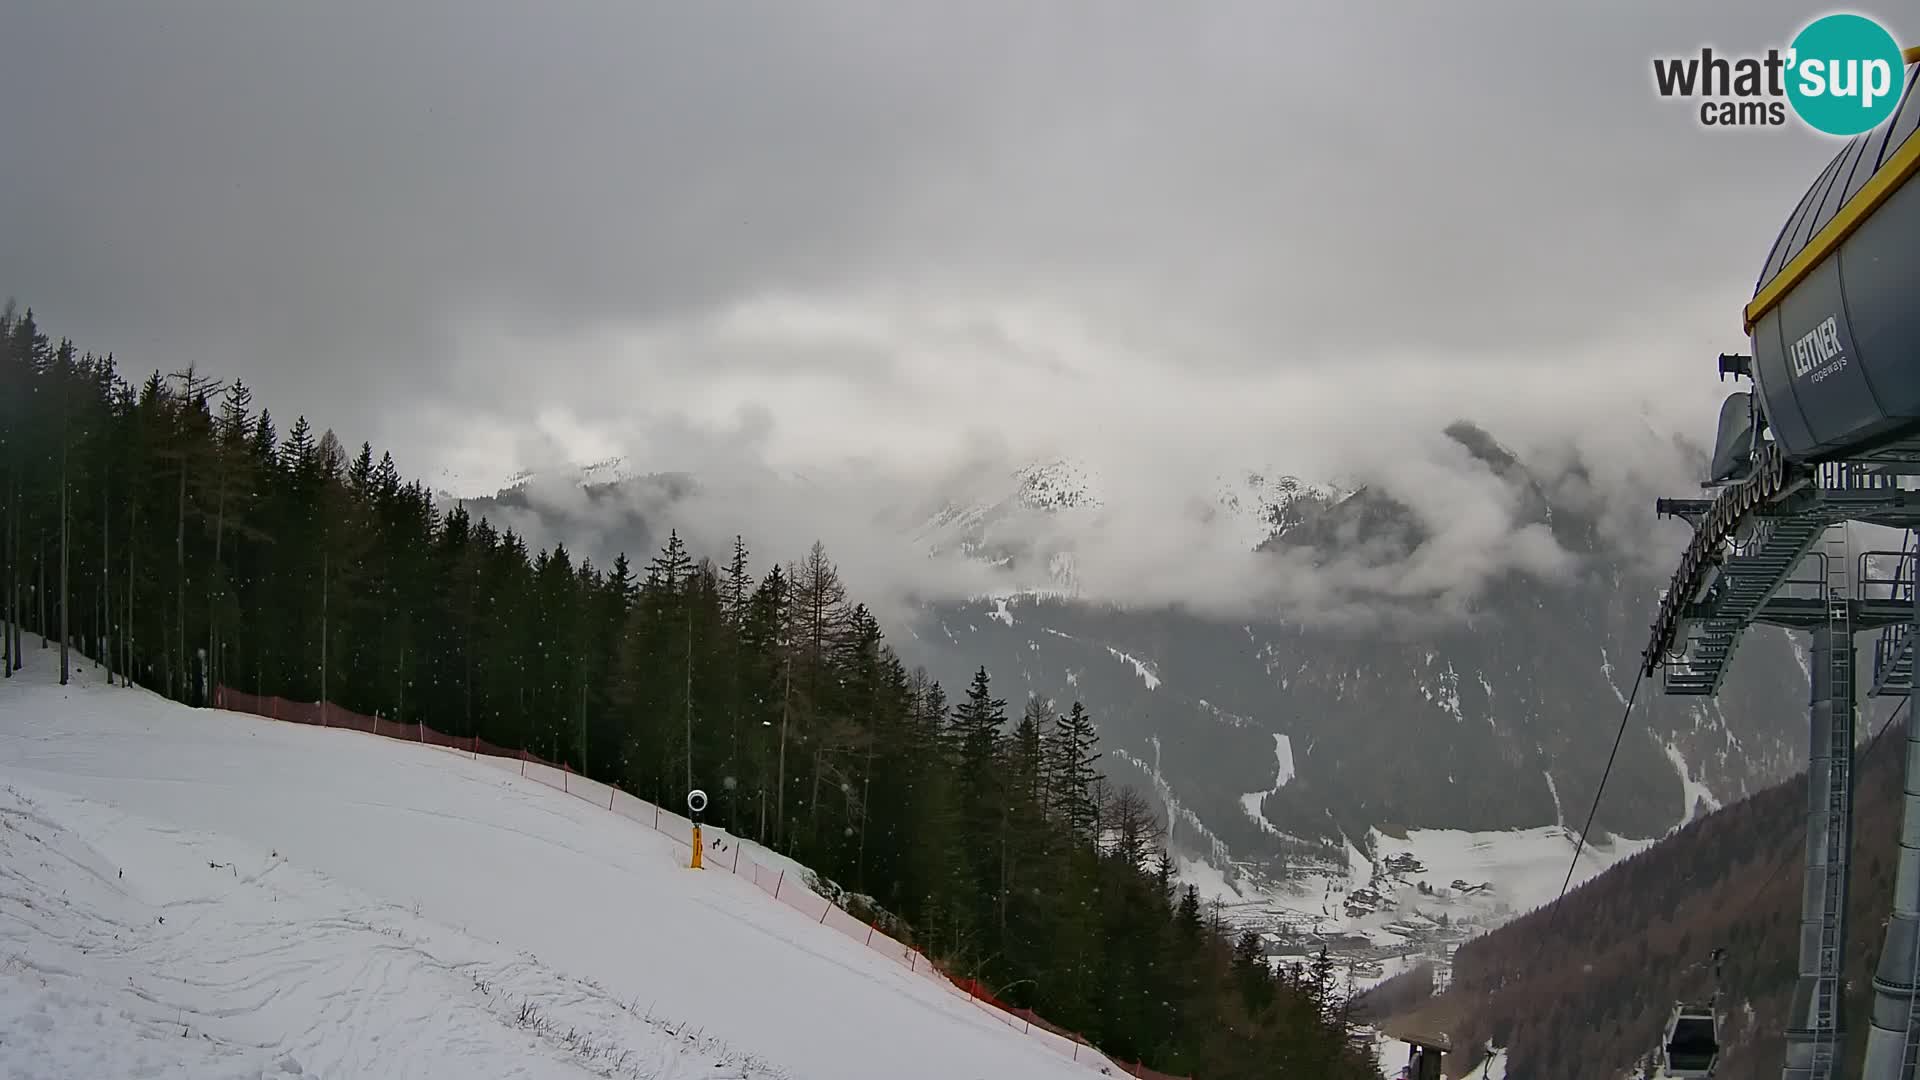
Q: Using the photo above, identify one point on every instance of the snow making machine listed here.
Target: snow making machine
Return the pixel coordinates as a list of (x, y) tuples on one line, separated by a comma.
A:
[(1829, 434)]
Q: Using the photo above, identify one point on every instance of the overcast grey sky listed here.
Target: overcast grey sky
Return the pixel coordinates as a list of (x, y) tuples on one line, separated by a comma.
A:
[(495, 236)]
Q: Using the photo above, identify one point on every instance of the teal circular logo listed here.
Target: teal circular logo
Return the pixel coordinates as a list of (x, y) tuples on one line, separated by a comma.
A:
[(1845, 74)]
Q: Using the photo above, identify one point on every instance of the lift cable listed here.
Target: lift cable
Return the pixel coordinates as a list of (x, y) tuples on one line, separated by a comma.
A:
[(1599, 791), (1859, 753)]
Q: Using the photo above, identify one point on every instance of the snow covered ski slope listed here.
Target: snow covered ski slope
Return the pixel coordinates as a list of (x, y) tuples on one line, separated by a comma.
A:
[(193, 893)]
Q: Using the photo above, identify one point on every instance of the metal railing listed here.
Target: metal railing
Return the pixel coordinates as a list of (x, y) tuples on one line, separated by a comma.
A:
[(1854, 476), (1892, 651), (1796, 587)]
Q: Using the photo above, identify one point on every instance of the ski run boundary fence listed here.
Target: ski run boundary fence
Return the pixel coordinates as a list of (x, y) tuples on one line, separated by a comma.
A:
[(777, 883)]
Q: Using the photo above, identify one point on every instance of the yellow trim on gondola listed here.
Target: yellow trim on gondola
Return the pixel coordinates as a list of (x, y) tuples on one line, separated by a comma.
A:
[(1894, 173), (1911, 56)]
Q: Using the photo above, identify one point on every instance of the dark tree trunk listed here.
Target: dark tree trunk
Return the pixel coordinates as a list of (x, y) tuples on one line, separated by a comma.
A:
[(108, 639), (180, 586)]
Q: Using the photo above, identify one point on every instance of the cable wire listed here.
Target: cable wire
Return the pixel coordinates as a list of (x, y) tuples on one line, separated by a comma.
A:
[(1599, 791), (1858, 754)]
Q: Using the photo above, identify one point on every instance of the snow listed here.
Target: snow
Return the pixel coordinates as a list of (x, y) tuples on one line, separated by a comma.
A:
[(381, 907), (169, 960), (1059, 484), (1250, 802), (1176, 814), (1606, 671), (1526, 866), (1379, 936), (1000, 611), (1252, 504), (1694, 791), (1390, 966), (1512, 872), (1559, 813), (1283, 755), (1446, 694), (1208, 880), (1140, 667), (1393, 1056), (613, 470), (1359, 869)]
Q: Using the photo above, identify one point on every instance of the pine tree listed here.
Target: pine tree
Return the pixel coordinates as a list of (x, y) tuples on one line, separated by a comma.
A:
[(668, 571), (1029, 767), (1188, 916), (231, 478), (739, 586), (737, 610), (1071, 772), (977, 724), (1250, 972), (312, 574), (1320, 983)]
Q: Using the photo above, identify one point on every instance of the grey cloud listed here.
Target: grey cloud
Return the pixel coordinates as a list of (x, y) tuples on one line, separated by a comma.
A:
[(1153, 538), (766, 238)]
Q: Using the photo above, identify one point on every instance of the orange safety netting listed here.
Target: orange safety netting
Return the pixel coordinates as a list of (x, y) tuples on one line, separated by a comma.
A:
[(721, 852)]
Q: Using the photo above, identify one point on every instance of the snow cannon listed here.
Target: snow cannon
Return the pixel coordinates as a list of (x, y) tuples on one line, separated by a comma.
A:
[(1834, 324), (696, 804)]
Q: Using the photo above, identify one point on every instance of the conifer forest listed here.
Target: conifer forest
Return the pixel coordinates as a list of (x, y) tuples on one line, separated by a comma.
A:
[(175, 533)]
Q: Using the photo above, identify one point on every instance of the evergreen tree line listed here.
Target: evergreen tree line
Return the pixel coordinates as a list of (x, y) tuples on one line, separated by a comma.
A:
[(178, 538)]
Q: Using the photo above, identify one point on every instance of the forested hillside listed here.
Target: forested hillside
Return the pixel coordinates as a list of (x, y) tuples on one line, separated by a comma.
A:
[(175, 531), (1583, 992), (1397, 720)]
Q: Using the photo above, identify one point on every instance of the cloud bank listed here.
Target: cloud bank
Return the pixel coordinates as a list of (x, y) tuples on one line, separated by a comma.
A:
[(888, 247), (907, 408)]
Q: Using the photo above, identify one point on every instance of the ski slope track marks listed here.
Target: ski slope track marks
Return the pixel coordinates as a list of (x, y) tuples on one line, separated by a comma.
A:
[(189, 967), (192, 893)]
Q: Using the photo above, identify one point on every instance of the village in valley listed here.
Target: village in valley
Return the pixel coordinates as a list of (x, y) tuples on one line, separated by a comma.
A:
[(1419, 896)]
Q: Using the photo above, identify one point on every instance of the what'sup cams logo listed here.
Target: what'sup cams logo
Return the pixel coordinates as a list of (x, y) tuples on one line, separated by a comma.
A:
[(1842, 75)]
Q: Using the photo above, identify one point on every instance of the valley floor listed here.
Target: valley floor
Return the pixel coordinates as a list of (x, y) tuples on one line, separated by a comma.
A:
[(1428, 891), (190, 893)]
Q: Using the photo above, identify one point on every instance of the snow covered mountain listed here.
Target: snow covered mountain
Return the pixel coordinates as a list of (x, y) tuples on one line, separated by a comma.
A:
[(1276, 744), (1037, 518), (1284, 747)]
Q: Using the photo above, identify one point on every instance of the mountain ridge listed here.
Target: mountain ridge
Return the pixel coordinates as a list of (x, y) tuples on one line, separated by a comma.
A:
[(1402, 719)]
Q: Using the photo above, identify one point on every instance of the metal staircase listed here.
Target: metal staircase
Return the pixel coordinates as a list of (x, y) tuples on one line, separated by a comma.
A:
[(1893, 661), (1751, 573), (1751, 580), (1893, 650)]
